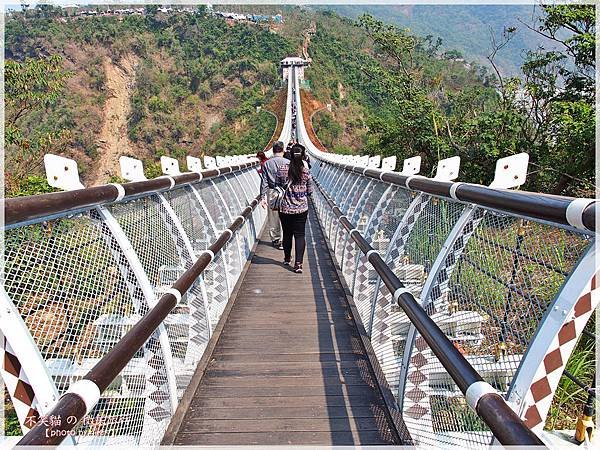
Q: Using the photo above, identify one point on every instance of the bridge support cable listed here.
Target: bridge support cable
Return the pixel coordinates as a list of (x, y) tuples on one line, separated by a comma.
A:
[(83, 395), (507, 276), (506, 425)]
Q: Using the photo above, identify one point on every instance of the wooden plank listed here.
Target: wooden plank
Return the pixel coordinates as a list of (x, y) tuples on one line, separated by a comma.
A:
[(260, 364), (272, 317), (314, 357), (266, 352), (286, 438), (199, 404), (292, 348), (289, 366), (298, 345), (316, 322), (279, 372), (322, 340), (286, 381), (345, 339), (292, 329), (275, 425), (215, 391), (289, 412)]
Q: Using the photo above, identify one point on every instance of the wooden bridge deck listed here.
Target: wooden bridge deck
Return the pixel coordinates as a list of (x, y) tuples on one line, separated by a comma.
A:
[(289, 366)]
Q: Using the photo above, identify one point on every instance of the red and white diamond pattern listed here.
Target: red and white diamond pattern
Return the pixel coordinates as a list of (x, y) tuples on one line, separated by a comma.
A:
[(385, 309), (546, 379), (416, 408), (18, 386)]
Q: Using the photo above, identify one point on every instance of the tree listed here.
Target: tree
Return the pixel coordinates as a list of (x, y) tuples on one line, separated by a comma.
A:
[(427, 106), (561, 97), (453, 54), (30, 88), (575, 59), (48, 11), (201, 11)]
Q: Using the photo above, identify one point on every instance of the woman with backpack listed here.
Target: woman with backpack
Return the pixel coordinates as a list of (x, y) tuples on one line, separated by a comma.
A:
[(293, 211)]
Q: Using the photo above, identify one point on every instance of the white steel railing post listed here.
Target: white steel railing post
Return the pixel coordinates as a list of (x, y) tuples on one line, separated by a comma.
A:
[(26, 378), (533, 385), (360, 205)]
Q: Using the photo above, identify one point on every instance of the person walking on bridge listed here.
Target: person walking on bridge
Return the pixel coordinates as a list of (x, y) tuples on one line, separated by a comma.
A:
[(262, 159), (293, 211), (268, 174), (287, 154)]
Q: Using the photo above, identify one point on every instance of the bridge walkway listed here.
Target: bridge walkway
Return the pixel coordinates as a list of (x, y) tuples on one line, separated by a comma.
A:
[(289, 366)]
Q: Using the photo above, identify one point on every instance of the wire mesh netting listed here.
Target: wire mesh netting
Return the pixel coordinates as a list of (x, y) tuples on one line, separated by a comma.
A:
[(68, 280), (411, 252), (489, 296), (79, 283), (377, 224), (165, 251), (486, 278), (350, 204)]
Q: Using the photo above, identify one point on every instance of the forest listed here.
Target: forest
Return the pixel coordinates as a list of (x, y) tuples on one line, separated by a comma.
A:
[(198, 82), (413, 100)]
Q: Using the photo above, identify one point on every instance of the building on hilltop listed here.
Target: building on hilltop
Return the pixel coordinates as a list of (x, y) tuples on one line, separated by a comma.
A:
[(286, 63)]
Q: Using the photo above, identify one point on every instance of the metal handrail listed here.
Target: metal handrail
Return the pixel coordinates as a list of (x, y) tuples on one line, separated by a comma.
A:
[(84, 394), (577, 212), (22, 209), (504, 423)]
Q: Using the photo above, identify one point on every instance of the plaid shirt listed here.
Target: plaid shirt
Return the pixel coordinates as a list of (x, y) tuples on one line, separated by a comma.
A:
[(296, 197), (269, 173)]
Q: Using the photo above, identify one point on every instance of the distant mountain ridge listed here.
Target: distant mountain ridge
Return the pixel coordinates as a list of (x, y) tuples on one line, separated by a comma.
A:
[(465, 28)]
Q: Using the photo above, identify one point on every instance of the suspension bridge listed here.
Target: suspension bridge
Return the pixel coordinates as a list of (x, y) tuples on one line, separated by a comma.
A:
[(431, 311)]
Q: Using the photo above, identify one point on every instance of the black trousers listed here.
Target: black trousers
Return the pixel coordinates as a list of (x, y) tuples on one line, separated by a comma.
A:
[(293, 226)]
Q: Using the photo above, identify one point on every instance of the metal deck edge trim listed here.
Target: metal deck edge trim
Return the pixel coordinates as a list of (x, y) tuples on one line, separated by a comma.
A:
[(186, 400)]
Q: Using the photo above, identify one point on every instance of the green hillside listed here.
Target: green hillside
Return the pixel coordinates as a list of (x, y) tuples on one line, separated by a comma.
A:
[(465, 28), (190, 83)]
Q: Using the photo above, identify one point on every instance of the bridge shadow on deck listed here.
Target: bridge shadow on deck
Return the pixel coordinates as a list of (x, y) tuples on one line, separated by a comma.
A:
[(289, 366)]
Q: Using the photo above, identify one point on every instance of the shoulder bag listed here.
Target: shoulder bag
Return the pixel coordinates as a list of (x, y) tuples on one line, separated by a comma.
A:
[(276, 196)]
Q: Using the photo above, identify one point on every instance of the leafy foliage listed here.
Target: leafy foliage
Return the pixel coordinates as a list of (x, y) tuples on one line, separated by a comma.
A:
[(186, 67), (560, 104), (416, 100), (32, 87)]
